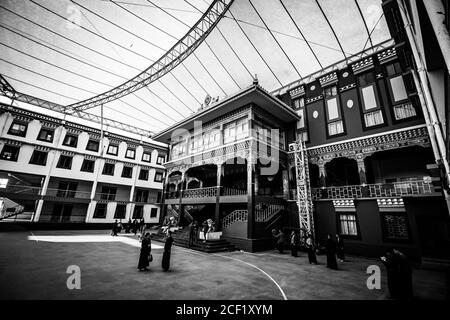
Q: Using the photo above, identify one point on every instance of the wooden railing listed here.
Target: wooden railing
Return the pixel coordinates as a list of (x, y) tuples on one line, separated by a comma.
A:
[(236, 215), (64, 193), (232, 192), (268, 212), (200, 192), (379, 190)]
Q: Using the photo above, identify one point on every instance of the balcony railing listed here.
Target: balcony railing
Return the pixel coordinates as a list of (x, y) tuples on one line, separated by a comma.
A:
[(111, 197), (64, 193), (200, 192), (379, 190), (225, 191), (28, 190)]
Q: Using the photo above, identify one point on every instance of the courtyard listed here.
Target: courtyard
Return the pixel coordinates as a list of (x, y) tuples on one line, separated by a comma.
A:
[(33, 265)]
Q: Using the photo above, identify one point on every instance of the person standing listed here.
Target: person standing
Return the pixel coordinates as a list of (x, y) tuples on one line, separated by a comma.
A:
[(205, 230), (405, 276), (119, 226), (279, 238), (193, 233), (331, 253), (391, 263), (135, 226), (295, 241), (146, 253), (114, 229), (167, 250), (340, 248), (311, 251)]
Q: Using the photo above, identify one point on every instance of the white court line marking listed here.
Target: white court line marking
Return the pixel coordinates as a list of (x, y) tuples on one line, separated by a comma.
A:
[(248, 263), (90, 238)]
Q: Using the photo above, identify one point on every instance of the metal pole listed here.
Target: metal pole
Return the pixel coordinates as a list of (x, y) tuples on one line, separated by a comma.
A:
[(424, 82), (436, 13)]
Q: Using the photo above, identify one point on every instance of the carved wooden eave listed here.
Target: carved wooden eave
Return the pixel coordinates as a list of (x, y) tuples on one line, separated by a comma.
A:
[(361, 148)]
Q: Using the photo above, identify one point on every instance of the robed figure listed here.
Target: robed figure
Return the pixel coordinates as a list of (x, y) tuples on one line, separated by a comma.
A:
[(311, 251), (331, 253), (146, 251), (340, 248), (167, 249)]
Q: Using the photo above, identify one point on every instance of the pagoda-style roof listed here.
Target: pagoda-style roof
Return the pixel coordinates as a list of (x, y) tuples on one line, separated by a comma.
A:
[(250, 95)]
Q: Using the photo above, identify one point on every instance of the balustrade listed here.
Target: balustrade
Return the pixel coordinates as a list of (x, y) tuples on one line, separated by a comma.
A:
[(200, 192), (236, 215)]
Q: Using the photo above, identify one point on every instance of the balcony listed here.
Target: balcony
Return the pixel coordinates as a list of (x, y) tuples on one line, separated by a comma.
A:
[(67, 195), (207, 195), (379, 190)]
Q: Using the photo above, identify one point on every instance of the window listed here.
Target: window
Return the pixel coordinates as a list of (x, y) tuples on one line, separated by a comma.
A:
[(298, 103), (66, 189), (160, 160), (113, 149), (373, 116), (3, 183), (88, 165), (39, 158), (46, 135), (141, 195), (147, 157), (347, 224), (108, 193), (334, 117), (100, 211), (158, 177), (130, 154), (301, 123), (404, 111), (302, 136), (127, 172), (393, 69), (10, 153), (138, 212), (108, 169), (235, 130), (398, 89), (93, 145), (143, 174), (395, 227), (330, 92), (18, 128), (65, 162), (70, 140), (120, 211), (154, 213)]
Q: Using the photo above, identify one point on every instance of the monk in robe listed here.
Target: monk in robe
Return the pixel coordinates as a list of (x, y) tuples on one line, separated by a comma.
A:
[(167, 249), (146, 251)]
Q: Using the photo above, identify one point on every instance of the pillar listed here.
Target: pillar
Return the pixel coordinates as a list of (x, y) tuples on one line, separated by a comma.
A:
[(361, 170), (250, 199), (285, 178), (322, 174), (181, 213), (217, 212), (40, 203)]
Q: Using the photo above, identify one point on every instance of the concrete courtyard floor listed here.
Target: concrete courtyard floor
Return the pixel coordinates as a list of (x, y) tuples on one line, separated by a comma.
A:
[(32, 269)]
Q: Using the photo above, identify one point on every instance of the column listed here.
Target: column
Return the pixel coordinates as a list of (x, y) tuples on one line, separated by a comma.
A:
[(322, 174), (285, 179), (163, 199), (361, 169), (250, 196), (91, 207), (132, 191), (38, 211), (181, 209), (217, 213)]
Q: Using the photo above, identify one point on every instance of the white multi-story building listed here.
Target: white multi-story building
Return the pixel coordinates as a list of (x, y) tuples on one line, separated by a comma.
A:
[(54, 170)]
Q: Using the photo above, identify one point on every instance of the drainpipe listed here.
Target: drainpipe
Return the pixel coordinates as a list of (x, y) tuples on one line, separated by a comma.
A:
[(434, 120), (436, 13)]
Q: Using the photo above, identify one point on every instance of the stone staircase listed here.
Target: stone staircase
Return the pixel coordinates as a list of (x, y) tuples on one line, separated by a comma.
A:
[(181, 239)]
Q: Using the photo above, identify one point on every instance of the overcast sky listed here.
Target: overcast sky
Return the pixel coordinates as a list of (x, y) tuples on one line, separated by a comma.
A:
[(155, 107)]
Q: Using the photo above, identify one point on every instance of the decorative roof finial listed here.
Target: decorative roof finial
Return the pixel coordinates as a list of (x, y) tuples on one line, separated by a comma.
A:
[(255, 80)]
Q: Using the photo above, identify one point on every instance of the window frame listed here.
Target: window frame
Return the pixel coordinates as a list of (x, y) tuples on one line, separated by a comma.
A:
[(15, 156), (105, 212), (107, 165), (59, 164), (43, 129), (141, 211), (153, 216), (340, 117), (106, 193), (386, 239), (378, 100), (91, 149), (158, 160), (146, 176), (124, 213), (162, 177), (33, 158), (112, 145), (339, 226), (149, 156), (85, 161), (127, 168), (19, 133), (68, 134), (134, 153)]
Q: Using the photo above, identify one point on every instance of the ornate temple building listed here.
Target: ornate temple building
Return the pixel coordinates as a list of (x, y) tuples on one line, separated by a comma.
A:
[(372, 172)]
